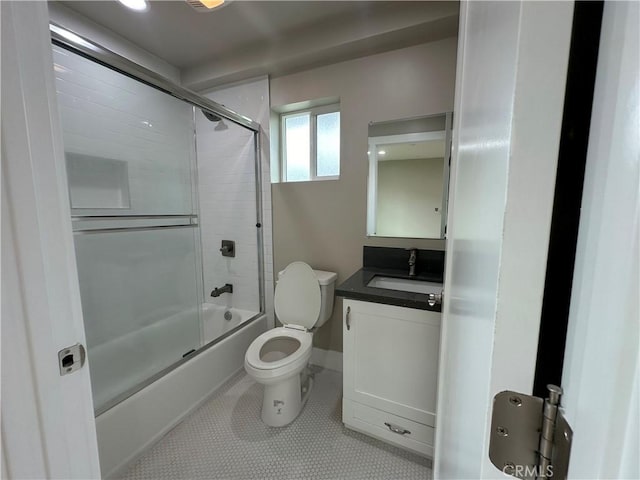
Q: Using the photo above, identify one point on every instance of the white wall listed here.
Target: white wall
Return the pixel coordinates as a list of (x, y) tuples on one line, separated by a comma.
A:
[(409, 192), (227, 197), (324, 223), (512, 65)]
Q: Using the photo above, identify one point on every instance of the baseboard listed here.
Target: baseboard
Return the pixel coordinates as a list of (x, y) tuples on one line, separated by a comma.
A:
[(329, 359)]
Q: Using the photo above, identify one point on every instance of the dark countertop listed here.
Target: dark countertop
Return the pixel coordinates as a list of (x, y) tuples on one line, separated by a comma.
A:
[(355, 287)]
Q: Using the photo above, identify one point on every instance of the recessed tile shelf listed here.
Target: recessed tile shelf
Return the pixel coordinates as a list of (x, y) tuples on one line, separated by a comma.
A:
[(97, 183)]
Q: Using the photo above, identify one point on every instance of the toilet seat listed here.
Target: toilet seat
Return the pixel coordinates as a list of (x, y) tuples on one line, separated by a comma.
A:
[(253, 352), (298, 299), (297, 303)]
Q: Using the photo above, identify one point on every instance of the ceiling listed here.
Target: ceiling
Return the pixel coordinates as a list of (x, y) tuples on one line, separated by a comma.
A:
[(411, 150), (254, 37)]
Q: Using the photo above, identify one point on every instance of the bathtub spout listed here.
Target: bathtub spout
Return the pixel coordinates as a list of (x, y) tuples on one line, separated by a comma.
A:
[(219, 291)]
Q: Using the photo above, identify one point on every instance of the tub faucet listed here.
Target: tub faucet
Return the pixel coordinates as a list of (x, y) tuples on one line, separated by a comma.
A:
[(219, 291), (412, 262)]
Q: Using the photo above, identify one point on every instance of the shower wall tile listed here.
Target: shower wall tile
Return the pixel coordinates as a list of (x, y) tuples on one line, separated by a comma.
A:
[(111, 119), (226, 176)]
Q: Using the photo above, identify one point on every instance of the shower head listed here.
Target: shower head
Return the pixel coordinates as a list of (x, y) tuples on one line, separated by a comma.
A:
[(211, 116)]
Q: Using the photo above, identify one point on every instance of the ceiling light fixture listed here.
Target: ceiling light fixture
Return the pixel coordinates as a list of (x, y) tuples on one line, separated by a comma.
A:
[(381, 152), (206, 6), (211, 4), (137, 5)]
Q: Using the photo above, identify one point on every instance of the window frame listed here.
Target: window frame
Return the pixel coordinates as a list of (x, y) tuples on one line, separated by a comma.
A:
[(313, 150)]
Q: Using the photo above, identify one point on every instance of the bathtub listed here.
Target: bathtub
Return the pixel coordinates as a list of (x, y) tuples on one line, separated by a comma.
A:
[(119, 365), (218, 320), (131, 427)]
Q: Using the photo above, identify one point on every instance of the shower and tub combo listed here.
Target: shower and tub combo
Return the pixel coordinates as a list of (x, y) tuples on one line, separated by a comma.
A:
[(159, 178)]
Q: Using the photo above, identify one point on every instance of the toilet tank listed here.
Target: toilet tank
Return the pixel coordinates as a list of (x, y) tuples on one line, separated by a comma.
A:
[(327, 281)]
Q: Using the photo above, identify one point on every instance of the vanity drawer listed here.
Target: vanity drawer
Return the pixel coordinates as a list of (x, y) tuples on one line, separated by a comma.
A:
[(414, 436)]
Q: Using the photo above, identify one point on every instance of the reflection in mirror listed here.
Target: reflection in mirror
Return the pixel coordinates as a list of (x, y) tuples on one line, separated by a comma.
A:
[(409, 177)]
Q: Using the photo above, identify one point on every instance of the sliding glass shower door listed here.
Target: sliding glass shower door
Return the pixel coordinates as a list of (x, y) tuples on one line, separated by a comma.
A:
[(140, 301), (130, 162)]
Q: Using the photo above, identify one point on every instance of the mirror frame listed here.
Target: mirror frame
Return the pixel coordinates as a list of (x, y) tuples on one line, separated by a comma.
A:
[(372, 182)]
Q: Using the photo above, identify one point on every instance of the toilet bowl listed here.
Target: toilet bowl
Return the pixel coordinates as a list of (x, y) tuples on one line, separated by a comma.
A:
[(278, 358)]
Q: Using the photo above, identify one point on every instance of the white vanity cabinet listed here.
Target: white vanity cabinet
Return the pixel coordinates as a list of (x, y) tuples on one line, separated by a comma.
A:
[(390, 363)]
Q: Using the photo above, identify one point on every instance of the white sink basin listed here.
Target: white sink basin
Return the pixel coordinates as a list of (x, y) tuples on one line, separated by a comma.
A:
[(405, 284)]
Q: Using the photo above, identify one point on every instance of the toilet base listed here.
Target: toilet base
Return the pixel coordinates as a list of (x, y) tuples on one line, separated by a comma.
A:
[(283, 401)]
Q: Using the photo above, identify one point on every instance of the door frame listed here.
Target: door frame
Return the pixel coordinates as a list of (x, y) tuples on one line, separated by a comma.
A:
[(48, 425), (591, 278), (572, 159), (506, 136)]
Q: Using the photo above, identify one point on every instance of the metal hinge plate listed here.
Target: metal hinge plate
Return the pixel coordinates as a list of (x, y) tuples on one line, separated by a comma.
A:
[(516, 428)]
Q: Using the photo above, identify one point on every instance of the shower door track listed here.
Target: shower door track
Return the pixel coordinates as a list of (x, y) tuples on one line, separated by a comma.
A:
[(70, 40)]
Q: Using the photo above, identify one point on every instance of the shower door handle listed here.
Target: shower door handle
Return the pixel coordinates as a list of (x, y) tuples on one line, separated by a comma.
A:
[(71, 358)]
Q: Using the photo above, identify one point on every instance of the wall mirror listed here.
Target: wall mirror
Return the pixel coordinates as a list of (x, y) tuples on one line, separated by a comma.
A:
[(409, 177)]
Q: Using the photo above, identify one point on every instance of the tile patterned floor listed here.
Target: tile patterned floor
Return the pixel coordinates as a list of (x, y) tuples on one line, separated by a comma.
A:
[(225, 439)]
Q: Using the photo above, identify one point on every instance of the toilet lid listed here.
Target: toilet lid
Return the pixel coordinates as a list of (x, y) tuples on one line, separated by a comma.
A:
[(297, 299)]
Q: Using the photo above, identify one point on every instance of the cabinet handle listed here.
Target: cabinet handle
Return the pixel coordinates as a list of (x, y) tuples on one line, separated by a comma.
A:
[(397, 429), (348, 318)]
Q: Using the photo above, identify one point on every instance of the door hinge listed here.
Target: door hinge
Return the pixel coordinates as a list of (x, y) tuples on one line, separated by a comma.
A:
[(71, 359), (530, 438)]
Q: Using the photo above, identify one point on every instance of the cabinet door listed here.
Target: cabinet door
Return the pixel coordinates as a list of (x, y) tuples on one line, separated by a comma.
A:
[(391, 358)]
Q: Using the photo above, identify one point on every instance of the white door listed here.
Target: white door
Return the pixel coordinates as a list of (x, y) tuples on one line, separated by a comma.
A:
[(48, 426), (601, 375), (480, 346)]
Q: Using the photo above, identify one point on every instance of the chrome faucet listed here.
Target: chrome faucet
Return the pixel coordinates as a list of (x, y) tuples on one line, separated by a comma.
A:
[(412, 262), (219, 291)]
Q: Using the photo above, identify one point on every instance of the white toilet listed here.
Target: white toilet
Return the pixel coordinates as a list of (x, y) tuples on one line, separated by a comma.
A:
[(278, 358)]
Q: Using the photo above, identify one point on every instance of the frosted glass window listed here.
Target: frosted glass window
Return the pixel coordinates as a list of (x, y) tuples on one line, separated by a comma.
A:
[(298, 144), (328, 144), (310, 147)]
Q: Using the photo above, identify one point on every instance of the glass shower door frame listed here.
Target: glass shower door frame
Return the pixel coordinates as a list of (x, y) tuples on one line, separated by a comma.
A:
[(86, 48)]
